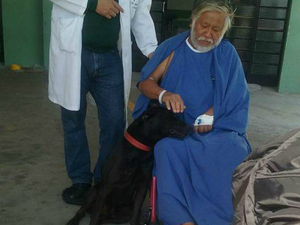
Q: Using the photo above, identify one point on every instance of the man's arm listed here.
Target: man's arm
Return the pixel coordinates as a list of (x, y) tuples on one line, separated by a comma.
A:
[(142, 27), (150, 88)]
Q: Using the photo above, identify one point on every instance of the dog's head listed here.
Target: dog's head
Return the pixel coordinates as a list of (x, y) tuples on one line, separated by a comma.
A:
[(157, 123)]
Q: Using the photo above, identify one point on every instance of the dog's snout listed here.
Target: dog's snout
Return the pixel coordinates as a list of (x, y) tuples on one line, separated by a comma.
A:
[(172, 131), (179, 131)]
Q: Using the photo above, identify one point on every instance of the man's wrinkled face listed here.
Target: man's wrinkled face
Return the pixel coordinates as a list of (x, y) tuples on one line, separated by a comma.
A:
[(207, 30)]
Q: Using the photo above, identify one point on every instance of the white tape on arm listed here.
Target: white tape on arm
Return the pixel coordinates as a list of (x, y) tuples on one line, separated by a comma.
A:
[(204, 120)]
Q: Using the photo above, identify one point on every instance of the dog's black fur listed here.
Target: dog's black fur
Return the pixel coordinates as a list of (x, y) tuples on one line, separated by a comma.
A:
[(127, 172)]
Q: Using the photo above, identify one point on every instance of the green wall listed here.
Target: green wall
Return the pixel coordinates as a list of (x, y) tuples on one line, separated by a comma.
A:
[(47, 7), (23, 33), (290, 75)]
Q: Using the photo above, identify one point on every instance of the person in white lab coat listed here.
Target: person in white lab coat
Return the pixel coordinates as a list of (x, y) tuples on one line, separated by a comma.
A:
[(90, 52)]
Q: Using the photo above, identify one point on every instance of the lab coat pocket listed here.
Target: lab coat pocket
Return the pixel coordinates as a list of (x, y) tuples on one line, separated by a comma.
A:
[(69, 34)]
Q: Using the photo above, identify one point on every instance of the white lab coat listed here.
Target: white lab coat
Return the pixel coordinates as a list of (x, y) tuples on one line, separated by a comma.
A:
[(66, 46)]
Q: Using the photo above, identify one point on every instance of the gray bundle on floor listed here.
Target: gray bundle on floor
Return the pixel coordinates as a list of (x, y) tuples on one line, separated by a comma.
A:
[(266, 186)]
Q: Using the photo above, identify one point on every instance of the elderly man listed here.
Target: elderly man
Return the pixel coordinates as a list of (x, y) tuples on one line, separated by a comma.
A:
[(90, 51), (202, 80)]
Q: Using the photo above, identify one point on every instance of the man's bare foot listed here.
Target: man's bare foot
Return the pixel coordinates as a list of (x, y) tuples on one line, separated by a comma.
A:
[(188, 223)]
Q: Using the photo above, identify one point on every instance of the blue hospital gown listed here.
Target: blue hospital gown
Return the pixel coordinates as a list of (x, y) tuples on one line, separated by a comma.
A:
[(194, 174)]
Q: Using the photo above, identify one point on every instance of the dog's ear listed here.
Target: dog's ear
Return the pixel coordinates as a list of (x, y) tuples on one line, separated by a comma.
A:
[(145, 116), (153, 103)]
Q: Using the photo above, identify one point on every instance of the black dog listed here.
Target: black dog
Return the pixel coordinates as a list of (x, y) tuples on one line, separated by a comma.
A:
[(127, 171)]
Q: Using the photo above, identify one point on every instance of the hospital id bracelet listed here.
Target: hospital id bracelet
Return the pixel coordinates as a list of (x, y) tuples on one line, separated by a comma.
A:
[(160, 96)]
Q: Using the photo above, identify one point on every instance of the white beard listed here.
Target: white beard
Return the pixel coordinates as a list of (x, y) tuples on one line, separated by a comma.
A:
[(200, 48)]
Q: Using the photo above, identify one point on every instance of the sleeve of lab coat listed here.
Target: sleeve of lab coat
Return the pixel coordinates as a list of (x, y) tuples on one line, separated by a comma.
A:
[(143, 29), (77, 7)]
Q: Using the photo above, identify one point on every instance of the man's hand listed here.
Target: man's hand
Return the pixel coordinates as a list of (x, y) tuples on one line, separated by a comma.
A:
[(202, 128), (108, 8), (150, 55), (174, 102)]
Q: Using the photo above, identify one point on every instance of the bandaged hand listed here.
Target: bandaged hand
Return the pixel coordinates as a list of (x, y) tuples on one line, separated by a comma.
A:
[(203, 123), (173, 101)]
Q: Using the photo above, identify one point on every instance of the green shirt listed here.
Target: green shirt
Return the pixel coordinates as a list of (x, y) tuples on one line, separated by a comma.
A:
[(99, 34)]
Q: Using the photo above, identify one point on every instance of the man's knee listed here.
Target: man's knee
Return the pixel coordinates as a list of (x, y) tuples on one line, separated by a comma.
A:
[(72, 120), (113, 126)]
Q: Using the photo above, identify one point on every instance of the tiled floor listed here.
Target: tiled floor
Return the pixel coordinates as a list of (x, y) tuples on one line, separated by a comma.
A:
[(32, 171)]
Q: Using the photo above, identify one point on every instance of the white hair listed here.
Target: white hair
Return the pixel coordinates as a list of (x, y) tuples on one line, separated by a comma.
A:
[(215, 5)]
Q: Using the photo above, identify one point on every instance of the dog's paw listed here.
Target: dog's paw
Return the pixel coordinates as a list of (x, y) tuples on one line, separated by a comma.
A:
[(74, 221)]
